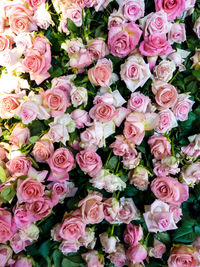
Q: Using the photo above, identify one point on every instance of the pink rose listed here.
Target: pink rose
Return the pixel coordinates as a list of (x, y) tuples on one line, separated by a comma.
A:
[(123, 39), (138, 102), (19, 166), (110, 209), (135, 72), (80, 60), (182, 255), (115, 19), (42, 150), (136, 253), (131, 159), (72, 228), (177, 212), (197, 27), (133, 234), (35, 3), (190, 175), (127, 211), (28, 111), (81, 118), (177, 33), (29, 190), (92, 209), (5, 255), (8, 106), (160, 146), (69, 246), (169, 190), (158, 249), (93, 258), (57, 100), (139, 178), (119, 257), (182, 107), (22, 216), (132, 10), (89, 161), (108, 242), (120, 146), (97, 48), (155, 45), (5, 42), (164, 70), (61, 162), (63, 83), (20, 135), (158, 218), (22, 261), (74, 13), (167, 121), (174, 9), (103, 112), (101, 73), (7, 226)]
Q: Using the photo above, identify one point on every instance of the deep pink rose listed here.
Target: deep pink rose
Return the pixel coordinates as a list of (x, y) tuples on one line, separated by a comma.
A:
[(19, 166), (160, 146), (133, 234), (123, 39), (136, 253), (7, 226), (89, 161), (173, 8), (103, 112)]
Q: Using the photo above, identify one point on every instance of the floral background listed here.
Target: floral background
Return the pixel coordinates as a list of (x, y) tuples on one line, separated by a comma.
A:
[(100, 133)]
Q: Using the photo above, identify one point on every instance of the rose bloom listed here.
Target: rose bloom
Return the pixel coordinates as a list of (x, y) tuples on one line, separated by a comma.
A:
[(88, 240), (197, 27), (136, 253), (80, 60), (191, 174), (131, 159), (135, 72), (19, 166), (133, 234), (79, 96), (29, 190), (72, 228), (155, 45), (74, 13), (119, 257), (110, 209), (166, 96), (164, 70), (177, 33), (174, 9), (89, 161), (103, 112), (167, 121), (93, 258), (5, 42), (158, 217), (160, 146), (138, 102), (120, 146), (97, 48), (28, 111), (69, 246), (81, 118), (169, 190), (63, 83), (8, 106), (108, 243), (115, 19), (139, 178), (35, 3), (123, 39), (182, 107), (22, 216), (20, 135), (61, 162), (73, 46), (182, 255), (101, 73), (92, 209), (177, 212), (57, 100), (158, 249), (22, 261), (132, 10), (7, 226), (5, 255), (127, 211), (42, 150)]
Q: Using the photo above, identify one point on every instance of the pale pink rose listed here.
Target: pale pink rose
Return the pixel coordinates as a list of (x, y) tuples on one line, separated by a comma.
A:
[(136, 253), (123, 39), (5, 255), (174, 9), (20, 135), (81, 118), (189, 4), (101, 73), (196, 244), (134, 129), (122, 114), (89, 161), (135, 72), (182, 107), (17, 243), (108, 242), (166, 96), (106, 98), (158, 249), (133, 234), (160, 146), (42, 150), (139, 178), (103, 112), (110, 209), (170, 164), (57, 101), (92, 209), (115, 19), (29, 190), (23, 41), (197, 27), (138, 102), (80, 60), (190, 151), (8, 106), (88, 240), (72, 228), (93, 258), (67, 247), (73, 12), (61, 162), (132, 10), (177, 212), (170, 190), (119, 257), (167, 121), (177, 33), (80, 3), (155, 23), (40, 208), (63, 83), (164, 70), (120, 146), (5, 42), (22, 217), (97, 48), (22, 261), (7, 226), (158, 218), (127, 211), (89, 3), (73, 46), (155, 45), (191, 174), (182, 255), (28, 111), (2, 153), (131, 159), (19, 166)]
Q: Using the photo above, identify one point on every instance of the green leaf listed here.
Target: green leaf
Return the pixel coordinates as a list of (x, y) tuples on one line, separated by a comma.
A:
[(112, 163), (44, 249), (130, 191), (57, 257), (33, 139), (71, 26), (68, 263), (197, 229), (3, 177), (196, 73), (163, 237), (184, 235), (8, 193)]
